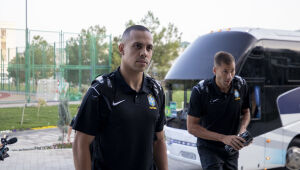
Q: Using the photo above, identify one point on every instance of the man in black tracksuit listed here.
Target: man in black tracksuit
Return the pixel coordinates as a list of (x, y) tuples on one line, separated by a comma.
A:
[(122, 113), (216, 106)]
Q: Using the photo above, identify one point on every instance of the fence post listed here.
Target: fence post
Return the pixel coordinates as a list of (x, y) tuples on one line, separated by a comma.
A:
[(80, 63), (110, 53), (8, 67), (54, 61), (27, 69), (17, 71), (33, 67), (1, 73)]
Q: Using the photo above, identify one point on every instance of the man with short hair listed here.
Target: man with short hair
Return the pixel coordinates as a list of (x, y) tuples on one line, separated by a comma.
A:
[(122, 114), (216, 106)]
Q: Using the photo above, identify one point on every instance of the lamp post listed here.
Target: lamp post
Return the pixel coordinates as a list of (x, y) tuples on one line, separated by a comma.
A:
[(27, 63)]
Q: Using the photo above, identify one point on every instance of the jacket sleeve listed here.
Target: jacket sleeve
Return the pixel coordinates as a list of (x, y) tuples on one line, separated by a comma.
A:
[(90, 118), (196, 106), (162, 118)]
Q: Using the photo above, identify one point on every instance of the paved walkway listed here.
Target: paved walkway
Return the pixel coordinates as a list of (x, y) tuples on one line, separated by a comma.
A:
[(32, 152), (35, 139), (53, 159)]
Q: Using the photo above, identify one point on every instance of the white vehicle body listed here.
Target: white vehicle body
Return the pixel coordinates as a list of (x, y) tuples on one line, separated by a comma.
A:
[(266, 151), (270, 63)]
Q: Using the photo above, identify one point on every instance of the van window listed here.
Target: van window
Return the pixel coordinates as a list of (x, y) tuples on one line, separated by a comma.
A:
[(284, 66), (283, 62), (293, 62), (254, 66)]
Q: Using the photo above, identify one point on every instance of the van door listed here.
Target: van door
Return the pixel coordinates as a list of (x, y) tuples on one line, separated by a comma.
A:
[(252, 156), (274, 153), (253, 71)]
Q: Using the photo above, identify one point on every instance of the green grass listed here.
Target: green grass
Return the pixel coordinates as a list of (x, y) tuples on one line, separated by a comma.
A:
[(178, 97), (10, 118)]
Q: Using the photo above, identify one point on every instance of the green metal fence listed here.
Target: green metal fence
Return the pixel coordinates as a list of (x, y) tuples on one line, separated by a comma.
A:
[(64, 59)]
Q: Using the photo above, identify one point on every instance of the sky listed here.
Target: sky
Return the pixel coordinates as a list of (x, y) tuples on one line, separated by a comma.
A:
[(192, 17)]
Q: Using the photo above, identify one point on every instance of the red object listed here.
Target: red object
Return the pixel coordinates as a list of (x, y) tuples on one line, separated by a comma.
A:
[(3, 95)]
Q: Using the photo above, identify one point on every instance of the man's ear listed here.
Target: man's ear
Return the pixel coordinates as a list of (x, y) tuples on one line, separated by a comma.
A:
[(121, 49), (214, 70)]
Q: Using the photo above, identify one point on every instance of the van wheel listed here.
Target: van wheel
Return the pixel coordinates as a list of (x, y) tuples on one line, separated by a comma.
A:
[(293, 158)]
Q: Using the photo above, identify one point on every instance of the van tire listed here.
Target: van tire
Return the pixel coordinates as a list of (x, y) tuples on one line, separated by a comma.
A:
[(293, 155)]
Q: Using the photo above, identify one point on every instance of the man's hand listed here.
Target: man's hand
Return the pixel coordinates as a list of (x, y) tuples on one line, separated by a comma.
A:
[(235, 141), (69, 133)]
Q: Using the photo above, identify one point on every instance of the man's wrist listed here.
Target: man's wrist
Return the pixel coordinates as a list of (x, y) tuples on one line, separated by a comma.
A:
[(221, 138), (243, 129)]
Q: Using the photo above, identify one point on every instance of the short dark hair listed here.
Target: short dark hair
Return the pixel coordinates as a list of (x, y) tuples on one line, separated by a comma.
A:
[(223, 57), (126, 33)]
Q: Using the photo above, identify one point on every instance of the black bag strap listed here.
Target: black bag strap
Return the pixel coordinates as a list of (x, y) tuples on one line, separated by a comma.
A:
[(106, 87)]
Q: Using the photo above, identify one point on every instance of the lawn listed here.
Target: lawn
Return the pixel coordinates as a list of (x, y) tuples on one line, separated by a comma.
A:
[(10, 118), (178, 97)]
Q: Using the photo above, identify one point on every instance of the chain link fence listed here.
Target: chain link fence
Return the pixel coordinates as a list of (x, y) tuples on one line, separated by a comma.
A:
[(53, 64)]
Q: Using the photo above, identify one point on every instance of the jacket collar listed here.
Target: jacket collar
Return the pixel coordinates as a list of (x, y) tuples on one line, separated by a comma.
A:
[(121, 83), (217, 89)]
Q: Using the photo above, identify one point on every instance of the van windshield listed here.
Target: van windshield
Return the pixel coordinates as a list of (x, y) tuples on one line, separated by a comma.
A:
[(177, 95), (196, 62)]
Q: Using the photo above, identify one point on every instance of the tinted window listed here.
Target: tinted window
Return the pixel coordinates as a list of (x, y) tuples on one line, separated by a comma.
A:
[(254, 65), (283, 62), (270, 69), (293, 62), (284, 67)]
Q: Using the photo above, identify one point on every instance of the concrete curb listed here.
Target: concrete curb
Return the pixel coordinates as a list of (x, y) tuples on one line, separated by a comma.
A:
[(36, 128)]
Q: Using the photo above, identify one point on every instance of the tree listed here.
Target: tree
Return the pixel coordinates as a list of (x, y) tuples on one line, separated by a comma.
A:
[(93, 45), (40, 53), (116, 57), (166, 40)]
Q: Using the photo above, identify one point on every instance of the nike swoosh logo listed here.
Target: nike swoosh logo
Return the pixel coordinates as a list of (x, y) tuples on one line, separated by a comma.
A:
[(115, 104), (214, 100)]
